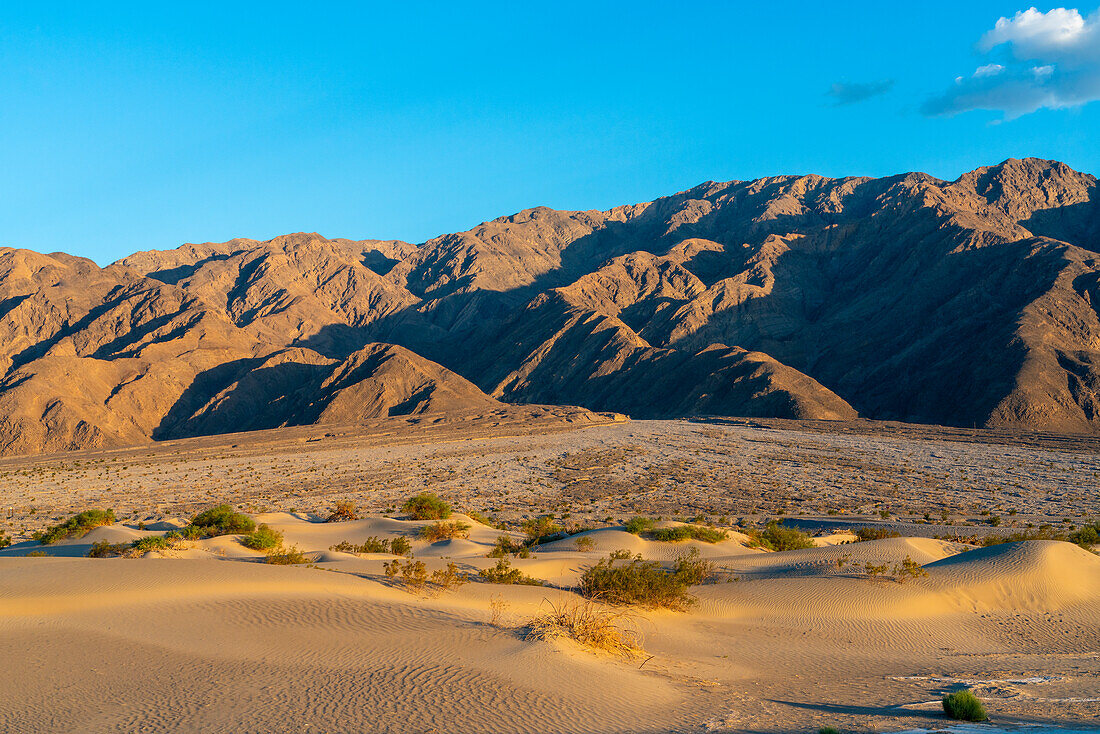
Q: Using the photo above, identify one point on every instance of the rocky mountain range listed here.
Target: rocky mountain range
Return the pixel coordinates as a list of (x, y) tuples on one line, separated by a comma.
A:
[(973, 302)]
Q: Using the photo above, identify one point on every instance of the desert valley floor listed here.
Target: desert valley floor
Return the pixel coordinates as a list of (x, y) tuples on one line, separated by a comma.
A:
[(207, 637)]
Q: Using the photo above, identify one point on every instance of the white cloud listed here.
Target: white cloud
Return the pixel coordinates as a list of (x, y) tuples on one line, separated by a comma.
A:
[(1052, 60)]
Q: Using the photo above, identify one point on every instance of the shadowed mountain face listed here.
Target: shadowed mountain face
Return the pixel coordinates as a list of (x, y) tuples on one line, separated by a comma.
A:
[(973, 302)]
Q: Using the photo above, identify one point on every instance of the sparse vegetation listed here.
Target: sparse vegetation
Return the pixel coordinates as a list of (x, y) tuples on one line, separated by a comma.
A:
[(587, 624), (503, 573), (641, 582), (398, 546), (343, 511), (684, 532), (505, 545), (5, 539), (153, 543), (964, 706), (284, 556), (444, 531), (262, 538), (76, 526), (778, 538), (415, 577), (426, 506), (585, 543), (908, 569), (104, 549), (481, 518), (221, 520), (542, 529), (639, 525), (873, 533)]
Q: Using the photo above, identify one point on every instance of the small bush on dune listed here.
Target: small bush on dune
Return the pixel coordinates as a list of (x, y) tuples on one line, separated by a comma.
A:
[(506, 545), (639, 525), (414, 575), (908, 569), (5, 539), (343, 511), (684, 532), (965, 706), (587, 624), (152, 543), (541, 529), (778, 538), (222, 520), (426, 506), (481, 518), (692, 569), (262, 538), (637, 581), (283, 556), (584, 544), (828, 730), (863, 534), (444, 531), (76, 526), (103, 549), (398, 546), (503, 573)]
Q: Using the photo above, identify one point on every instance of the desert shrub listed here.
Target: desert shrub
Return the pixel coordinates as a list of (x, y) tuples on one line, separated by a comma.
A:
[(541, 529), (222, 520), (371, 545), (415, 577), (505, 545), (1088, 536), (684, 532), (426, 506), (444, 531), (503, 573), (151, 543), (38, 554), (908, 569), (400, 546), (635, 581), (863, 534), (76, 526), (449, 577), (5, 539), (343, 511), (639, 525), (587, 624), (778, 538), (692, 569), (585, 543), (190, 532), (965, 706), (284, 556), (103, 549), (828, 730), (262, 538), (872, 570)]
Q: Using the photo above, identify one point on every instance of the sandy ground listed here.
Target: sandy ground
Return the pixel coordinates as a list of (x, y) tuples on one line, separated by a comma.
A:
[(209, 638)]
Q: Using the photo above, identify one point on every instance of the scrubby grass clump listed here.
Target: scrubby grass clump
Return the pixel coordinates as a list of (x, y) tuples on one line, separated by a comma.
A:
[(103, 549), (398, 546), (620, 579), (133, 549), (343, 511), (503, 573), (863, 534), (639, 525), (587, 624), (284, 556), (220, 520), (5, 539), (426, 506), (76, 526), (964, 706), (414, 576), (444, 531), (685, 532), (505, 546), (775, 537), (542, 529), (262, 538)]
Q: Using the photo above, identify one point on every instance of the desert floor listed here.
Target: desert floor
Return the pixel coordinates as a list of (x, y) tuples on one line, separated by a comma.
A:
[(207, 637)]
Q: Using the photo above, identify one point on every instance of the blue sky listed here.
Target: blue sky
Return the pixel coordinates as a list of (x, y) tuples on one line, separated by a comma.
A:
[(147, 125)]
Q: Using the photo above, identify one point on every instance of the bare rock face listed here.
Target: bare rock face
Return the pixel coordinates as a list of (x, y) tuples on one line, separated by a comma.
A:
[(971, 302)]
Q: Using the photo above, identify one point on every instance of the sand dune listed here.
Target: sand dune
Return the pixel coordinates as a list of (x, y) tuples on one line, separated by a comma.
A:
[(162, 643)]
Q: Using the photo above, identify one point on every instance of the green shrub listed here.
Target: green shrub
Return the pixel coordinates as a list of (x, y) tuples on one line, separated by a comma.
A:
[(283, 556), (5, 539), (635, 581), (503, 573), (222, 520), (426, 506), (76, 526), (400, 546), (151, 543), (506, 545), (828, 730), (908, 569), (541, 529), (262, 538), (415, 577), (692, 569), (863, 534), (444, 531), (684, 532), (965, 706), (103, 549), (481, 518), (778, 538), (585, 543), (639, 525), (343, 511)]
